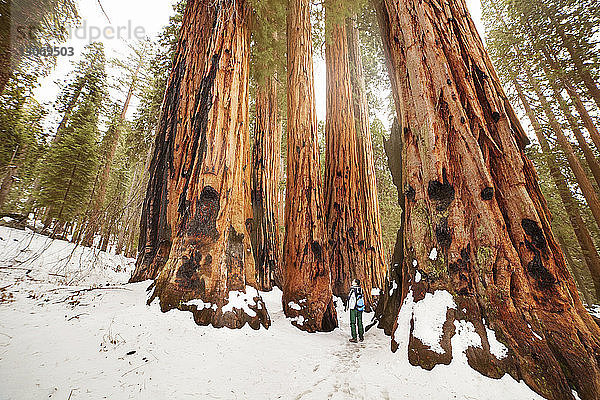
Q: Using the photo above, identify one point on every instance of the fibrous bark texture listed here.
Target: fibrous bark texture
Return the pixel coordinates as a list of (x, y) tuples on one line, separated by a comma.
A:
[(346, 225), (197, 209), (307, 296), (376, 263), (266, 167), (476, 223)]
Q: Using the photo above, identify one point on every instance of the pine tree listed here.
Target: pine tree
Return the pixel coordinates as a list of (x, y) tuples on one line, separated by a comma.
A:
[(69, 167)]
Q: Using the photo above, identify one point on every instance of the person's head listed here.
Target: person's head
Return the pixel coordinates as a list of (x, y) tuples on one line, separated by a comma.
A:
[(356, 282)]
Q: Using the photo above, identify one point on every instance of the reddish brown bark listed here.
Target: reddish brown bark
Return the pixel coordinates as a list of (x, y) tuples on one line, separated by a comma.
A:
[(266, 166), (194, 225), (473, 195), (307, 296), (346, 225), (376, 264)]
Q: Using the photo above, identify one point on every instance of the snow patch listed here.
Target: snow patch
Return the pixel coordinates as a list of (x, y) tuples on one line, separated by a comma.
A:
[(294, 306), (375, 291), (429, 316), (434, 254), (497, 349), (241, 301), (466, 336), (415, 263), (394, 287), (200, 305), (417, 277)]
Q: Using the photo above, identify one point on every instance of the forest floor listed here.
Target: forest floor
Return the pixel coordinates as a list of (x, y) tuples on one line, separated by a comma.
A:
[(71, 328)]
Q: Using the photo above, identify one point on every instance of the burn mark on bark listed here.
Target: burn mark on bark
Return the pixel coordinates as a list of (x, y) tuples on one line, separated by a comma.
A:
[(532, 229), (487, 193), (442, 233), (153, 221), (234, 259), (441, 192), (410, 193), (317, 250), (203, 104), (204, 223), (186, 277), (537, 245), (459, 272)]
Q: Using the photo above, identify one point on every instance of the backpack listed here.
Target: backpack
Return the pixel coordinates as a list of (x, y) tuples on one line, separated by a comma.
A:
[(360, 301)]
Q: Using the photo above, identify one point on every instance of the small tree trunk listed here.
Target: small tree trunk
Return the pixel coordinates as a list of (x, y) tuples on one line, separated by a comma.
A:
[(376, 264), (581, 70), (587, 120), (582, 180), (472, 195), (265, 185), (200, 152), (590, 158), (307, 296), (574, 270), (9, 176), (588, 249), (113, 135)]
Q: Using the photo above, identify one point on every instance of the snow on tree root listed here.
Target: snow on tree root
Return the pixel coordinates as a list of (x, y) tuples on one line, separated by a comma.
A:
[(433, 330), (232, 311)]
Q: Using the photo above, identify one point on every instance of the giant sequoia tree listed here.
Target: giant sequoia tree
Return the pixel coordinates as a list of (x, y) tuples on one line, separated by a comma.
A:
[(475, 221), (344, 209), (194, 236), (307, 294)]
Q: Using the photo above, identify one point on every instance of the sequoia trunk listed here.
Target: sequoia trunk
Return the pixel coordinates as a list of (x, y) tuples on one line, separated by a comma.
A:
[(265, 185), (376, 262), (197, 206), (346, 225), (307, 296), (476, 223)]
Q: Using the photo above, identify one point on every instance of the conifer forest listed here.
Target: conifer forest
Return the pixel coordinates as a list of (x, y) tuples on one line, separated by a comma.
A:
[(287, 170)]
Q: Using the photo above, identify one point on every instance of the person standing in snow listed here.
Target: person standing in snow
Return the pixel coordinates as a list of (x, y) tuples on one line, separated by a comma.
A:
[(356, 303)]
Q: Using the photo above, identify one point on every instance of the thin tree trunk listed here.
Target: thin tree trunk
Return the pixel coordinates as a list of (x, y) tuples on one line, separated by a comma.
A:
[(307, 296), (582, 180), (581, 70), (575, 98), (265, 185), (590, 158), (472, 195), (376, 262), (588, 248), (113, 136), (574, 270), (9, 177), (201, 150)]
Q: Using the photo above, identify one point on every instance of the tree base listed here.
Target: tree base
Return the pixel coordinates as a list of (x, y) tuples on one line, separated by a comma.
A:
[(234, 310)]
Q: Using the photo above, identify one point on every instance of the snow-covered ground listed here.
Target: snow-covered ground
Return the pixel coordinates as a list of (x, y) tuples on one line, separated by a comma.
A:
[(61, 340)]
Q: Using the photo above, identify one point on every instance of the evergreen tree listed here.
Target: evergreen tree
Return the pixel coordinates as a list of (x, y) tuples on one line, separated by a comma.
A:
[(70, 166)]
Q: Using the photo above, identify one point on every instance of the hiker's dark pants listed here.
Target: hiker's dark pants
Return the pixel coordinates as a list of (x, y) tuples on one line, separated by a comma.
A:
[(356, 316)]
